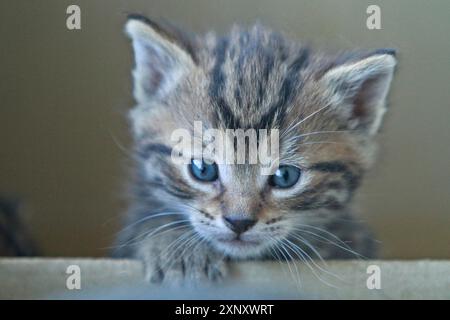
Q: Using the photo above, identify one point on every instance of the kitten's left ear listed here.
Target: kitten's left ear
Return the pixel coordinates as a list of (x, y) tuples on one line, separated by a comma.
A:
[(359, 89), (162, 57)]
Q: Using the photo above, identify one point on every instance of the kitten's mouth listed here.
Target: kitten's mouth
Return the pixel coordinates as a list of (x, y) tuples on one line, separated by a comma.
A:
[(245, 246), (239, 242)]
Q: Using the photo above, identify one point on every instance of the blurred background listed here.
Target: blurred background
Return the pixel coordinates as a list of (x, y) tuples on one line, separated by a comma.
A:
[(65, 94)]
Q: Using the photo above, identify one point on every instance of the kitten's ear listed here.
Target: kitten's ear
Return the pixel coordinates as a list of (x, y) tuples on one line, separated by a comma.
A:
[(162, 58), (359, 89)]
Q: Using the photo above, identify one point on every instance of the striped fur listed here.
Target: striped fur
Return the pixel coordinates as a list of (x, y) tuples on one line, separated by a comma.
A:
[(327, 108)]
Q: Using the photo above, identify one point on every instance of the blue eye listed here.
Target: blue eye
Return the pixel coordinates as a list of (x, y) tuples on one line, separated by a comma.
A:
[(285, 177), (203, 171)]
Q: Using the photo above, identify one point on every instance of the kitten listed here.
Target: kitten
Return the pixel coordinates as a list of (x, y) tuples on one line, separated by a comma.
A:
[(187, 220)]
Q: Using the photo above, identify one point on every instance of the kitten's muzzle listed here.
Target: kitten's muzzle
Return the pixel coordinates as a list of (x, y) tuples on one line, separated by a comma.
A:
[(239, 224)]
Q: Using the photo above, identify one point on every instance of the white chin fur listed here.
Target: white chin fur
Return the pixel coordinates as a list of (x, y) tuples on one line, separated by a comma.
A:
[(241, 251)]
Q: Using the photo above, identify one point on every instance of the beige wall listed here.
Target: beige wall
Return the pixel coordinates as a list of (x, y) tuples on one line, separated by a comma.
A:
[(64, 95)]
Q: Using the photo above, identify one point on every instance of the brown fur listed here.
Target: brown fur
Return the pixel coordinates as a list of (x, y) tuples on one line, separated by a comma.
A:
[(327, 108)]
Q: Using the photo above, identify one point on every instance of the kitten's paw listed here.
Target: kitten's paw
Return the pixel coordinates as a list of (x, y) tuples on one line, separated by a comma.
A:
[(178, 267)]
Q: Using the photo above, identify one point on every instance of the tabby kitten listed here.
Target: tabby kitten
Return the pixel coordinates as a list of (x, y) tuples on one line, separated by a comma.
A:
[(187, 220)]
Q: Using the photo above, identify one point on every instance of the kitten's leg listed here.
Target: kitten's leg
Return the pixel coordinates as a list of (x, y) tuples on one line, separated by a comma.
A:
[(177, 257)]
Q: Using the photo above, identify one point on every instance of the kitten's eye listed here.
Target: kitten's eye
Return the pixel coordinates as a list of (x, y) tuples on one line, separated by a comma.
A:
[(285, 177), (203, 171)]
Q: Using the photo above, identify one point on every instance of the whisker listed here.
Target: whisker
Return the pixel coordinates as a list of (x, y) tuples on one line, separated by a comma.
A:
[(301, 254), (131, 242), (178, 240), (307, 243), (318, 132), (150, 216), (192, 241), (275, 255), (279, 248), (312, 260), (171, 258), (152, 232), (324, 231), (304, 119), (295, 265), (123, 149), (346, 248), (321, 142)]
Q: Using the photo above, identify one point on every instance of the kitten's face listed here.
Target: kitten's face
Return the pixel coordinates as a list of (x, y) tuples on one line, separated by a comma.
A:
[(326, 110)]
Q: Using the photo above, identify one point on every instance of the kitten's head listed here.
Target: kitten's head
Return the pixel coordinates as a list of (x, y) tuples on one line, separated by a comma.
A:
[(327, 109)]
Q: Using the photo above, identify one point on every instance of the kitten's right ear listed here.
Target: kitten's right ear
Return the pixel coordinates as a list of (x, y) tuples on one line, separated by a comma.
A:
[(162, 58)]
